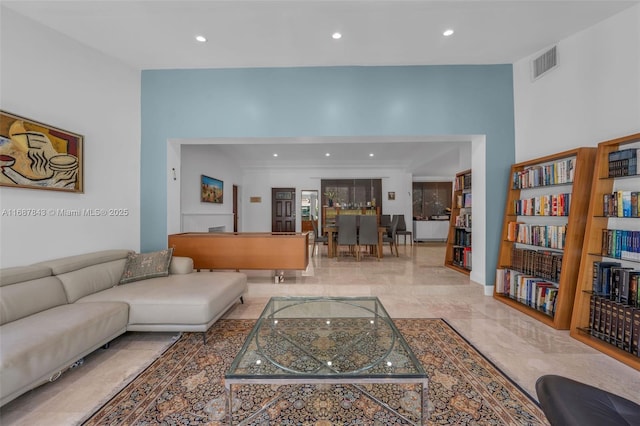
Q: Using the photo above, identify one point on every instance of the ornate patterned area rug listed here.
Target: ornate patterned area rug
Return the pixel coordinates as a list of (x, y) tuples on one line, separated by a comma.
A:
[(186, 386)]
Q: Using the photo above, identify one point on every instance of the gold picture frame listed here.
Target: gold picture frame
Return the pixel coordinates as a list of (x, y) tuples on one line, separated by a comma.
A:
[(39, 156)]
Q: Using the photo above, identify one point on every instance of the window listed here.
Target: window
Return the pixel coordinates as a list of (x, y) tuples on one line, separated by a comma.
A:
[(431, 199), (351, 193)]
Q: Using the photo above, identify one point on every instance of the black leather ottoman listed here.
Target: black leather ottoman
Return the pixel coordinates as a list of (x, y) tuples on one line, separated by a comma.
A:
[(566, 402)]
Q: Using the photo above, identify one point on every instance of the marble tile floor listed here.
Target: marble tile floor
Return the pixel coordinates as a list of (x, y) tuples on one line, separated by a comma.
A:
[(413, 285)]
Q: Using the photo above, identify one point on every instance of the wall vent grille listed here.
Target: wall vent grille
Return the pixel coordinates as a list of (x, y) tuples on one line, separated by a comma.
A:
[(544, 63)]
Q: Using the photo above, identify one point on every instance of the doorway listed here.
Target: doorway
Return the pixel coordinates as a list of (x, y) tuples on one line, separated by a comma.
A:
[(235, 208), (308, 209), (283, 210)]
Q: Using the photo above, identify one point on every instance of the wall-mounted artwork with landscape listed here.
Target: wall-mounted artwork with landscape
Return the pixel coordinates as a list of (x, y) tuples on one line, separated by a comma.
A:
[(39, 156), (211, 190)]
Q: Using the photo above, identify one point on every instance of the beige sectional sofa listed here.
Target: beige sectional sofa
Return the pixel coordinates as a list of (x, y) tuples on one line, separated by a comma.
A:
[(54, 313)]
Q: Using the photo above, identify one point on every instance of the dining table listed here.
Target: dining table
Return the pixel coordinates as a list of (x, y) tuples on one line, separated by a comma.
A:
[(331, 231)]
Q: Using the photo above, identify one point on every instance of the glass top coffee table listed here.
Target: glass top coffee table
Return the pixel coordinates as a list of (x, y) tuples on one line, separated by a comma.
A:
[(331, 340)]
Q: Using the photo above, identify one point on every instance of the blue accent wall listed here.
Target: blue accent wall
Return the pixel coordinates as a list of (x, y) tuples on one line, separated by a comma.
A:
[(326, 101)]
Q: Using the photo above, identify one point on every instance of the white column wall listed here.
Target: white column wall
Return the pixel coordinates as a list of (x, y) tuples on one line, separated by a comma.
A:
[(592, 96), (50, 78), (197, 216), (256, 217)]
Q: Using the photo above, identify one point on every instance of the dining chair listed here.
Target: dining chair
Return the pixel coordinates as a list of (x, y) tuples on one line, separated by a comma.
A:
[(348, 234), (368, 233), (402, 230), (390, 236), (385, 220), (317, 237)]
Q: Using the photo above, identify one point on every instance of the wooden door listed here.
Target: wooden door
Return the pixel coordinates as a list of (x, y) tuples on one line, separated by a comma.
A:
[(283, 209), (235, 208)]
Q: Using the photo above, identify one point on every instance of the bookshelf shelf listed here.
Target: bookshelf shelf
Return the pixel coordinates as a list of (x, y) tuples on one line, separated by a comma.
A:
[(614, 217), (546, 289), (458, 252), (589, 302), (599, 255), (534, 246)]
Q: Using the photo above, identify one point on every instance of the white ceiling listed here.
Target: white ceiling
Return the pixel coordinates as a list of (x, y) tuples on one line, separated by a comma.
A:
[(433, 156), (152, 34)]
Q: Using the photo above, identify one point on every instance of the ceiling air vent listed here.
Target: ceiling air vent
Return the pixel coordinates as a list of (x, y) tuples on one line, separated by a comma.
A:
[(545, 62)]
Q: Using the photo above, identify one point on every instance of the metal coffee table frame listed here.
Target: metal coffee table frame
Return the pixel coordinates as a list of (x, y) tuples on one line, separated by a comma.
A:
[(388, 358)]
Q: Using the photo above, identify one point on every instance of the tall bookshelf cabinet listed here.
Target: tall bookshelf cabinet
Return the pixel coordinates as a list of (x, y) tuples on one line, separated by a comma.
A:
[(542, 233), (583, 325), (458, 253)]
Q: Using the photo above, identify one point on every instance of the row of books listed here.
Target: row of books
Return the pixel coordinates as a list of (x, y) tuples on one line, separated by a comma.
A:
[(541, 263), (462, 257), (527, 289), (615, 323), (462, 182), (623, 162), (466, 200), (616, 282), (621, 244), (462, 237), (544, 205), (621, 204), (463, 200), (560, 172), (549, 236), (463, 220)]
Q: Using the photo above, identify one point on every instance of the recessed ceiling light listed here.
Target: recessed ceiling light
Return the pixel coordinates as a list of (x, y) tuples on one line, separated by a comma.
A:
[(447, 33), (371, 154), (201, 38), (275, 155), (336, 36), (327, 155)]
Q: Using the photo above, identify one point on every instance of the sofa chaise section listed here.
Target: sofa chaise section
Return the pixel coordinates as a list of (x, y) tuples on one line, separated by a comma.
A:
[(179, 302)]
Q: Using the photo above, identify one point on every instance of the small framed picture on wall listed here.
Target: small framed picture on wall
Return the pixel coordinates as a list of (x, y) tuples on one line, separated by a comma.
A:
[(211, 190), (391, 195)]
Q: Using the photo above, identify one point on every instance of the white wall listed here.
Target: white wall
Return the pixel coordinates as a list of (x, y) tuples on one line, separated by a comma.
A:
[(592, 96), (185, 212), (256, 217), (50, 78), (191, 158), (196, 215)]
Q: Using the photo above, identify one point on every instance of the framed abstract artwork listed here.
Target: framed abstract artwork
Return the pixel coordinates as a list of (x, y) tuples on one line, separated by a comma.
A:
[(211, 190), (39, 156)]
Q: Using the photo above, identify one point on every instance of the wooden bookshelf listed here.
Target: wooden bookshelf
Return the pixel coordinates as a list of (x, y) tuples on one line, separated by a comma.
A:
[(578, 185), (597, 221), (458, 251)]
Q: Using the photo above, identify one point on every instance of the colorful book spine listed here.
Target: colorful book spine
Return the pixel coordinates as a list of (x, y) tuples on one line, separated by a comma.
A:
[(623, 162), (621, 244), (560, 172), (621, 204), (614, 306)]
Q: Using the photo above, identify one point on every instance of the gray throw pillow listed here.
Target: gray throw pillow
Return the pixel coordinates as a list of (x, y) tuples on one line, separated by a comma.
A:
[(141, 266)]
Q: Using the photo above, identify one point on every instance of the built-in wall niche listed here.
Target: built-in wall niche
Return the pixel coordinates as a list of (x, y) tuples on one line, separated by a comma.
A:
[(431, 199), (351, 193)]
